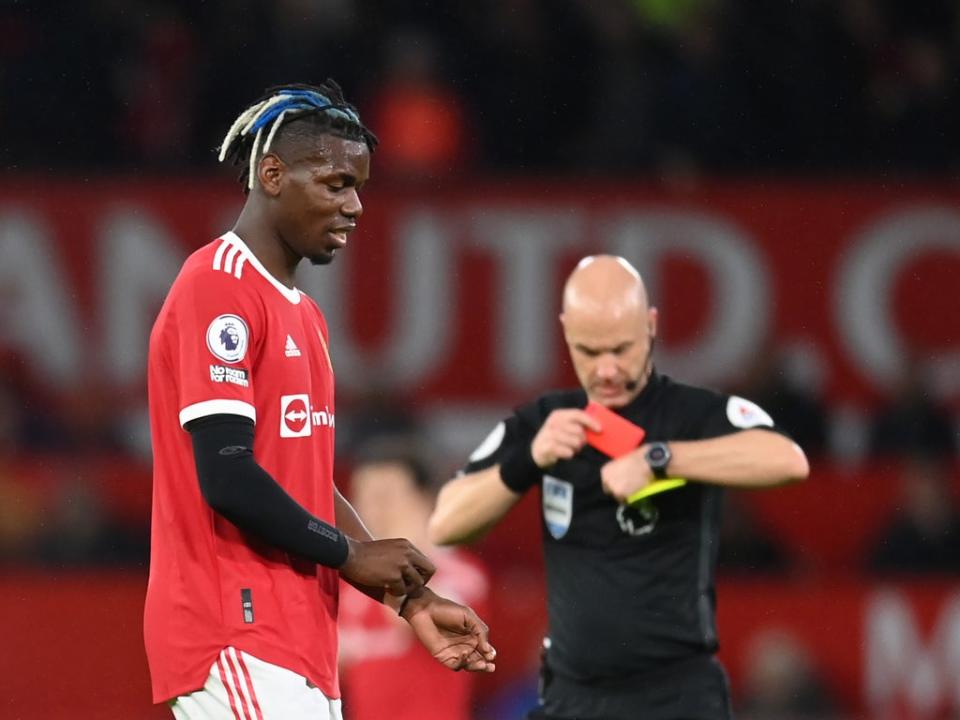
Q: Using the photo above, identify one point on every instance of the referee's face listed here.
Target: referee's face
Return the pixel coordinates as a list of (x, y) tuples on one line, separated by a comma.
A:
[(610, 349)]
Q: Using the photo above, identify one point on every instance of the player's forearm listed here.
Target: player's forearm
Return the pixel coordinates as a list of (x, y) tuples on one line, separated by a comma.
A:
[(239, 489), (349, 523), (752, 458), (348, 520), (468, 506)]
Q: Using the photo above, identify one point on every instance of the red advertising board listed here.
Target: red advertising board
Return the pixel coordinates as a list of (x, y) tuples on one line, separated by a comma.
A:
[(452, 295), (884, 652), (73, 646)]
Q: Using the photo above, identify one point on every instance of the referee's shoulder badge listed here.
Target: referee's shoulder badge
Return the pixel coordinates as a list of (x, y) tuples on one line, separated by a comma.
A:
[(745, 414), (490, 443)]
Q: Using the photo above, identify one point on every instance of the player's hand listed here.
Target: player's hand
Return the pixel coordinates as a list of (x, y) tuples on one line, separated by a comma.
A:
[(626, 475), (452, 633), (562, 436), (394, 565)]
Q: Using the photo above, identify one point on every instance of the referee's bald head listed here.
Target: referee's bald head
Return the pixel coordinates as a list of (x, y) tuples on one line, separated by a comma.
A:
[(602, 284)]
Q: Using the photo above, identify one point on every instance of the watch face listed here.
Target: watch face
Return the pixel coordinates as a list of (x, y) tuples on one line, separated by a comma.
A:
[(656, 455)]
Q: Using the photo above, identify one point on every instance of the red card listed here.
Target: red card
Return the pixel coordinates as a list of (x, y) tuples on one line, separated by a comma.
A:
[(617, 436)]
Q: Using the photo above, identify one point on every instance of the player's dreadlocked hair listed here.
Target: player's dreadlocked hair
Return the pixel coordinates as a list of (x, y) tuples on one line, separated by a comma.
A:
[(322, 109)]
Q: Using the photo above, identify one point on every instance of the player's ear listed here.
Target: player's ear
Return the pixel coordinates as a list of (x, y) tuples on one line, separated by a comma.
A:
[(270, 172), (652, 322)]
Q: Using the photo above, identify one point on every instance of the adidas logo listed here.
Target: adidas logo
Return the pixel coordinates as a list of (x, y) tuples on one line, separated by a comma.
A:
[(291, 349)]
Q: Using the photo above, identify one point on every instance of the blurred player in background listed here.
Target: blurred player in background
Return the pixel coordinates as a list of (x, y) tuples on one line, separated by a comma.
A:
[(630, 585), (249, 535), (386, 673)]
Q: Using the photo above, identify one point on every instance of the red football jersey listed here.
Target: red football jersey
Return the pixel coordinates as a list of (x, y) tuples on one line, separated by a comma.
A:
[(232, 339), (387, 673)]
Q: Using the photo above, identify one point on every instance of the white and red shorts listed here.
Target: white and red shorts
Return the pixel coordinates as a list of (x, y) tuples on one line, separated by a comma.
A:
[(241, 687)]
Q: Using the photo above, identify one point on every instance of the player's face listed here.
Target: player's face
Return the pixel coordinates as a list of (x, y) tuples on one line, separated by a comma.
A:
[(610, 354), (320, 198)]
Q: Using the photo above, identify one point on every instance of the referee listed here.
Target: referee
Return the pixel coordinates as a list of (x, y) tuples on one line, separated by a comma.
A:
[(631, 598)]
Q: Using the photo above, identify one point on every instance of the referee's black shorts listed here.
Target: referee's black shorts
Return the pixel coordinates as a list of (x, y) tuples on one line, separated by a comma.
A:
[(692, 689)]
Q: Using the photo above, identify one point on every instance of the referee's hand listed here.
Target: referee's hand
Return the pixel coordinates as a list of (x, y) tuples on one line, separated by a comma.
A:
[(626, 475), (394, 565), (562, 436)]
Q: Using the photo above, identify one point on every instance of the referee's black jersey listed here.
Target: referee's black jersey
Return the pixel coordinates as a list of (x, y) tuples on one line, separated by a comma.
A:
[(628, 588)]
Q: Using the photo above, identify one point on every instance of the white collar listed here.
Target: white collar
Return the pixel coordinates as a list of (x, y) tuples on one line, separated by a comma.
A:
[(291, 294)]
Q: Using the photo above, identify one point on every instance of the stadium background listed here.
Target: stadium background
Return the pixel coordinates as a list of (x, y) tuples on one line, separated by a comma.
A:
[(783, 174)]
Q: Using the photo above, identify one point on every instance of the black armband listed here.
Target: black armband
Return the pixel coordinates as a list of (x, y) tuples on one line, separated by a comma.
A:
[(236, 487), (518, 470)]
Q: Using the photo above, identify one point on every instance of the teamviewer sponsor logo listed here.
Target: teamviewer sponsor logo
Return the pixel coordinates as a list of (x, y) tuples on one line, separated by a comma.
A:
[(297, 417), (294, 416)]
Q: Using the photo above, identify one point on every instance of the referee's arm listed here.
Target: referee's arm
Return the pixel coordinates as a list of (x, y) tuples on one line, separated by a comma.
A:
[(749, 458), (469, 505)]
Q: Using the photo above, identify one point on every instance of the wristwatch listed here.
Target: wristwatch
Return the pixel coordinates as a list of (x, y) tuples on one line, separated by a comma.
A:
[(658, 457)]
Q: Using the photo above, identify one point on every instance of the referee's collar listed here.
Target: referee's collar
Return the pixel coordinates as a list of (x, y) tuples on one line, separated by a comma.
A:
[(654, 382)]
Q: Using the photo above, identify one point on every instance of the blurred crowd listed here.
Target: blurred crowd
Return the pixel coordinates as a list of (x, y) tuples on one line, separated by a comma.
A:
[(619, 86)]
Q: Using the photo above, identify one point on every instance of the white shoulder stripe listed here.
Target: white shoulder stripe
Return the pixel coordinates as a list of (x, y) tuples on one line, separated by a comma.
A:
[(218, 258), (228, 261), (232, 257)]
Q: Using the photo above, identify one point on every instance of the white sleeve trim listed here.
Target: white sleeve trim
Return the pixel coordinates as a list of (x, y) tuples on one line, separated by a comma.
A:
[(217, 407)]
